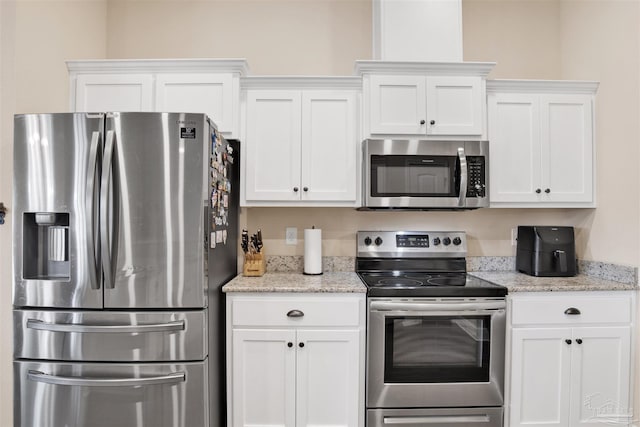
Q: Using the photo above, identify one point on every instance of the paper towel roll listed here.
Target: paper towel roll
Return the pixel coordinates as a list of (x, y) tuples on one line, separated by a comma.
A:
[(312, 251)]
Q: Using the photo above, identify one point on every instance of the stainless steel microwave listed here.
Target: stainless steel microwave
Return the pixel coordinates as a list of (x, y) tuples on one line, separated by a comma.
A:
[(422, 174)]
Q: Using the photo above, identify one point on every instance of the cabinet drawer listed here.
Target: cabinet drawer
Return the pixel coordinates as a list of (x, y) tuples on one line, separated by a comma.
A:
[(556, 310), (282, 312)]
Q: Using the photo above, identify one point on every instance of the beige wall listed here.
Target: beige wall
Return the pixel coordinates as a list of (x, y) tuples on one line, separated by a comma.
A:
[(548, 39), (295, 37), (7, 101)]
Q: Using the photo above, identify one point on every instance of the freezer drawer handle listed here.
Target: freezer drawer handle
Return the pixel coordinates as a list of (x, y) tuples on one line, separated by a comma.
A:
[(71, 327), (174, 378), (438, 419)]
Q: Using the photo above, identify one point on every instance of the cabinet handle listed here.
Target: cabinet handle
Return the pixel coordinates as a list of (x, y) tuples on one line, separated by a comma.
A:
[(568, 341), (548, 190), (305, 189), (572, 311), (295, 313), (579, 340), (432, 122), (422, 122), (301, 344), (295, 189), (538, 190), (289, 344)]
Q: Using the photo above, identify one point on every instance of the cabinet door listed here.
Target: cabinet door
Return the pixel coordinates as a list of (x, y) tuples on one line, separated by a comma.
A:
[(263, 378), (272, 166), (514, 136), (211, 94), (329, 145), (540, 377), (114, 92), (600, 362), (454, 105), (397, 105), (567, 148), (328, 381)]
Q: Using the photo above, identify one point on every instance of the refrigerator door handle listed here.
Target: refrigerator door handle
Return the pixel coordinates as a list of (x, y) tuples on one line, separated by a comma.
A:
[(74, 327), (174, 378), (93, 252), (105, 241)]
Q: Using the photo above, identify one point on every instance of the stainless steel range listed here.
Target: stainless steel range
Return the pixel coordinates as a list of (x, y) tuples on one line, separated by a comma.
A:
[(435, 335)]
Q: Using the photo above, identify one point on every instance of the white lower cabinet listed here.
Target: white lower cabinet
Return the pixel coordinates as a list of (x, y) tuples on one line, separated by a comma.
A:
[(570, 369), (287, 369)]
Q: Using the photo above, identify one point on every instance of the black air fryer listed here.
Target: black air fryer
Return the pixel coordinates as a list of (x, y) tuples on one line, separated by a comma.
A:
[(546, 251)]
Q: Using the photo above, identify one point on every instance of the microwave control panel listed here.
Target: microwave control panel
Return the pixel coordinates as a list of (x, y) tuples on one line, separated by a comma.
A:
[(476, 180)]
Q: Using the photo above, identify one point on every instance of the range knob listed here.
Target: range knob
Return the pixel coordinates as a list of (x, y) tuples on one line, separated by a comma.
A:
[(367, 241), (436, 241), (378, 241), (457, 241), (446, 241)]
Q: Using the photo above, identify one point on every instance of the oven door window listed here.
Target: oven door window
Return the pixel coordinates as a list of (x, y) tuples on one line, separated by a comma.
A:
[(414, 176), (437, 349)]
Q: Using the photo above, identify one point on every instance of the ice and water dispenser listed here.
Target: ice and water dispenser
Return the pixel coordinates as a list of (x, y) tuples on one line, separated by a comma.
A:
[(46, 246)]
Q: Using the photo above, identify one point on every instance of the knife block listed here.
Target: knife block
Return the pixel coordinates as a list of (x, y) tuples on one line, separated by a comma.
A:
[(254, 264)]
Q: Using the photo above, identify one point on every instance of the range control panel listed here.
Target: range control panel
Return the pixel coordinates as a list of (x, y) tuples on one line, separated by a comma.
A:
[(408, 244)]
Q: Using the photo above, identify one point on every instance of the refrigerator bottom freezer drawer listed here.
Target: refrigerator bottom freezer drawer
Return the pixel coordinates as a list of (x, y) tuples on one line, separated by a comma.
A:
[(107, 395), (113, 336)]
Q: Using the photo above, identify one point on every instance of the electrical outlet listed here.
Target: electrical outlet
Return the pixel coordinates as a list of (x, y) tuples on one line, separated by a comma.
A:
[(514, 236), (291, 235)]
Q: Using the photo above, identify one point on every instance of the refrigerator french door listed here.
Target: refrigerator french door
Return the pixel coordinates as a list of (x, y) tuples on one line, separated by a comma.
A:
[(114, 301), (111, 210)]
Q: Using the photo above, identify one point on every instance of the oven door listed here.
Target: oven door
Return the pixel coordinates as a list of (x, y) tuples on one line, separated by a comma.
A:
[(435, 352)]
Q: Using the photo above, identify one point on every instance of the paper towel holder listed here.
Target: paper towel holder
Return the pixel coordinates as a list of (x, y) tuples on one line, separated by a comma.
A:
[(309, 268)]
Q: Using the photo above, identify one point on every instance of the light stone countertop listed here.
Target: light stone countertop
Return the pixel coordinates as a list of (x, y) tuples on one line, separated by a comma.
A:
[(519, 282), (338, 282)]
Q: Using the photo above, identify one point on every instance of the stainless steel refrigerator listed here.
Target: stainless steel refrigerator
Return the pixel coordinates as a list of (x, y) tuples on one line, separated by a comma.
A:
[(125, 230)]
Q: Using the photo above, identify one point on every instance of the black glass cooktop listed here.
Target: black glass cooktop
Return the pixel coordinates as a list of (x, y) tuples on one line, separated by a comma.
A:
[(428, 284)]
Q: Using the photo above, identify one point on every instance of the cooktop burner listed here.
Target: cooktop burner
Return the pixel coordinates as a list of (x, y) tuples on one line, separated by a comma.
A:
[(407, 264)]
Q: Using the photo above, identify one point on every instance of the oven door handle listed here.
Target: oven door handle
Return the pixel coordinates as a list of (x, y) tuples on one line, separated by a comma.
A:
[(437, 419), (432, 307)]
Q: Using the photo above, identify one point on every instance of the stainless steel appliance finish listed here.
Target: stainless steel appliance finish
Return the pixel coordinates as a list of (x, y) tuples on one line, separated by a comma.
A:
[(124, 233), (421, 174), (457, 328), (435, 336), (56, 394), (459, 417)]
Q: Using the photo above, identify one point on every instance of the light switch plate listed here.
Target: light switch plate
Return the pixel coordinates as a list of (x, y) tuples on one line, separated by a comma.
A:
[(291, 234)]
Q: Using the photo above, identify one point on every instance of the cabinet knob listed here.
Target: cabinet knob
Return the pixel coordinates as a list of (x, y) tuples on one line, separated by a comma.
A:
[(422, 122), (568, 341), (579, 340), (295, 189), (432, 122), (572, 311), (548, 190), (295, 313), (301, 344), (289, 344), (538, 190), (305, 189)]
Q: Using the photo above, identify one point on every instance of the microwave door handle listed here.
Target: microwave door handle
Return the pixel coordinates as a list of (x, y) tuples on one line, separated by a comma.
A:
[(462, 197)]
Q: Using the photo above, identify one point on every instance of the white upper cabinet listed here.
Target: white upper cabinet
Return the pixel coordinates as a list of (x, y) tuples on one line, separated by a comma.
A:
[(301, 142), (424, 100), (273, 145), (541, 143), (209, 86), (212, 94), (417, 30), (113, 92)]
